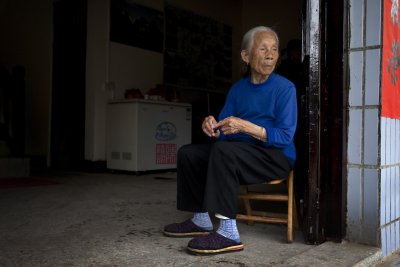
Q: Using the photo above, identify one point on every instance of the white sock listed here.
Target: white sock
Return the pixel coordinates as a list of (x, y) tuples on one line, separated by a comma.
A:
[(228, 228), (202, 219)]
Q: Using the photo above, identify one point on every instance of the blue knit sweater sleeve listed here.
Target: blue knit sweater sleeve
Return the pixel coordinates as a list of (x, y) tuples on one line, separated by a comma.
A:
[(281, 133)]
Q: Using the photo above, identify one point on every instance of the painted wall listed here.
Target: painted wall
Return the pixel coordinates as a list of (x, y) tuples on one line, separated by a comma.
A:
[(26, 39), (373, 149)]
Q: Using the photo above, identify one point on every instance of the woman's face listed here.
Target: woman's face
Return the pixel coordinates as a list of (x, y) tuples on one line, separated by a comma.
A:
[(263, 56)]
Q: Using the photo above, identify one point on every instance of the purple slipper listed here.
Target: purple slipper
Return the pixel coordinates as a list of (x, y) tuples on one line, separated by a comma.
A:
[(213, 243), (184, 229)]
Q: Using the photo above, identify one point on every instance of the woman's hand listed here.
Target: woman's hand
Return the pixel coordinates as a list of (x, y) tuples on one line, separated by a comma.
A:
[(209, 126), (231, 125)]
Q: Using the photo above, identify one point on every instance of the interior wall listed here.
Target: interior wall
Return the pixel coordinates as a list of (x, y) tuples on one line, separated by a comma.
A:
[(132, 67), (26, 40), (129, 65), (276, 14), (109, 62), (117, 64)]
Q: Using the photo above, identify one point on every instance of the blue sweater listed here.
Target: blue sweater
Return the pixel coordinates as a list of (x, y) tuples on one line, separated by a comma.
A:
[(272, 105)]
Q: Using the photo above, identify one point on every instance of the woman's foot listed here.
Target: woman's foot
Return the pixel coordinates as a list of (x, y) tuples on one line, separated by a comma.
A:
[(213, 243), (184, 229)]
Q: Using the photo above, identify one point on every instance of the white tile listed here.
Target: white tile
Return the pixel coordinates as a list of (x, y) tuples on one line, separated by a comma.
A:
[(397, 145), (383, 141), (393, 194), (371, 199), (373, 23), (392, 236), (372, 76), (354, 201), (354, 138), (383, 241), (356, 23), (371, 136), (356, 76), (389, 124), (397, 229), (388, 140), (396, 142), (393, 137), (397, 192), (383, 194), (388, 196)]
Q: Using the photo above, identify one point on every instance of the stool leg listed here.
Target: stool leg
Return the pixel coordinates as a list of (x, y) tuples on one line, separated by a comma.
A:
[(247, 206), (296, 225), (290, 208)]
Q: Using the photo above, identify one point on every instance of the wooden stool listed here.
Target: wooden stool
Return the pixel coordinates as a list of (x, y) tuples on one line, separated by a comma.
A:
[(269, 217)]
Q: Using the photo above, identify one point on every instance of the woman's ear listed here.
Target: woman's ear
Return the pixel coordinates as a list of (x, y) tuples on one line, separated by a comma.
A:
[(245, 56)]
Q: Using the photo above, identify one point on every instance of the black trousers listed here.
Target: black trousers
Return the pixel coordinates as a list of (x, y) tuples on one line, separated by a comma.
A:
[(210, 175)]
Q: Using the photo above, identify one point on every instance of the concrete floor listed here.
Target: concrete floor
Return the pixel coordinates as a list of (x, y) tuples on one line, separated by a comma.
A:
[(103, 219)]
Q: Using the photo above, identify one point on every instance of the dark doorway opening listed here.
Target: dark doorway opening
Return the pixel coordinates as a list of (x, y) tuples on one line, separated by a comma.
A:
[(68, 95)]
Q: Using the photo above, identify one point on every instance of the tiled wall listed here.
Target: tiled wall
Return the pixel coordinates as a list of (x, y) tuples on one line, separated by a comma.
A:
[(373, 150), (390, 185), (363, 164)]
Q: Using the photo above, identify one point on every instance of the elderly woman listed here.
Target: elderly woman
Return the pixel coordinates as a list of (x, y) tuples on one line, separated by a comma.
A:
[(254, 144)]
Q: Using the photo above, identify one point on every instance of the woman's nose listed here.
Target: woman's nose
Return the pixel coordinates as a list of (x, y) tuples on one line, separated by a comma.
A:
[(268, 54)]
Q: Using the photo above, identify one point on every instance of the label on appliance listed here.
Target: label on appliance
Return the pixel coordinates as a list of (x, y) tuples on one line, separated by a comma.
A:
[(166, 153), (165, 131)]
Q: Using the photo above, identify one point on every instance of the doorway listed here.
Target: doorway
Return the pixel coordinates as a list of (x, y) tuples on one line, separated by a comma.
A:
[(68, 94)]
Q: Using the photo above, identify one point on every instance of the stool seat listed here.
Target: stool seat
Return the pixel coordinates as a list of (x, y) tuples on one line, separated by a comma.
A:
[(252, 215)]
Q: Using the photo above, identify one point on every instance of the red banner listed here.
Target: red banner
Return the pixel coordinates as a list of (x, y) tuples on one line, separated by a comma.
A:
[(391, 60)]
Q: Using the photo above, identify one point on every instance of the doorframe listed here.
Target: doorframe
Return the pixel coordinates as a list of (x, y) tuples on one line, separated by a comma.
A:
[(312, 55), (323, 49)]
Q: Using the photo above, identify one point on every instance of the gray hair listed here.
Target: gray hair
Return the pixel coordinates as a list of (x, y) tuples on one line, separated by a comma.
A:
[(248, 40)]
